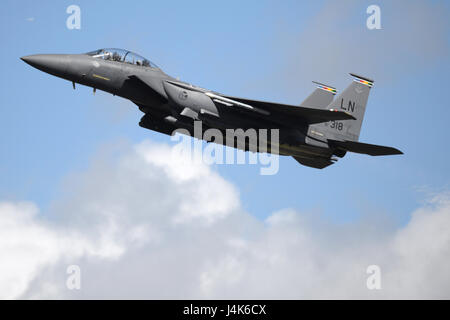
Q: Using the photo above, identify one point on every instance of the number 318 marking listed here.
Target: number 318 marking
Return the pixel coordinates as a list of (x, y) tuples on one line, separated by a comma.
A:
[(337, 125)]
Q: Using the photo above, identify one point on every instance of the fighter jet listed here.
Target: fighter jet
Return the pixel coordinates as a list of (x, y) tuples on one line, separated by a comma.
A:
[(316, 133)]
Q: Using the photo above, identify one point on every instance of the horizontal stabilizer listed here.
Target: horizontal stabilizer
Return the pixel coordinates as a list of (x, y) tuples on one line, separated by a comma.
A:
[(359, 147)]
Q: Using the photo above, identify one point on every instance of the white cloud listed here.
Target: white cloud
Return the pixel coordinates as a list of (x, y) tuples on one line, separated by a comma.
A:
[(148, 226), (28, 245)]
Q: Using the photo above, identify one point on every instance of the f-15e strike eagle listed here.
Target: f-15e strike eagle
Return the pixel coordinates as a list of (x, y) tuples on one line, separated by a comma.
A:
[(314, 133)]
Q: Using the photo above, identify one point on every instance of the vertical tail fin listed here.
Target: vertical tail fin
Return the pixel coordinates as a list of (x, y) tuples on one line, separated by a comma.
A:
[(321, 97), (352, 100)]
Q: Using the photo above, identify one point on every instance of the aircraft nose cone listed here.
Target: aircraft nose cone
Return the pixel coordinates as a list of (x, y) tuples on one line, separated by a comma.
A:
[(27, 58), (55, 64)]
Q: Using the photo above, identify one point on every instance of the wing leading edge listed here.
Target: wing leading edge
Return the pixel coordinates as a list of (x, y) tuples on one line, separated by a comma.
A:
[(262, 108), (305, 114)]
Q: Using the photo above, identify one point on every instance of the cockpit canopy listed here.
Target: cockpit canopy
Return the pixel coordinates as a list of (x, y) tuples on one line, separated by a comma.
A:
[(121, 55)]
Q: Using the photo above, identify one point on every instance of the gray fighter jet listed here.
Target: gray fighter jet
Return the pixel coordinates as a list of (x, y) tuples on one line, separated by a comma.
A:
[(314, 133)]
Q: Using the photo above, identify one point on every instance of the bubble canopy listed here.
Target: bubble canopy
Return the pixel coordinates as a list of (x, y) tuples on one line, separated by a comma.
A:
[(121, 55)]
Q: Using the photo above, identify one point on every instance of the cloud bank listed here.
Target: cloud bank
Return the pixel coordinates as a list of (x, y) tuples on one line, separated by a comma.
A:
[(149, 225)]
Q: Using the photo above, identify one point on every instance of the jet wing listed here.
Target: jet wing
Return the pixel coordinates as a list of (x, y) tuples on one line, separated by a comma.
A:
[(304, 114), (307, 115)]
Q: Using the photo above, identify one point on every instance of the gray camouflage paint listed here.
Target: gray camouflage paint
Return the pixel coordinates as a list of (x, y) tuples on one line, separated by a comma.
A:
[(314, 133)]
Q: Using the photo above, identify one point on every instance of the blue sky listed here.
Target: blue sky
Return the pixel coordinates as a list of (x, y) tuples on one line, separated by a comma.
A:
[(255, 49)]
